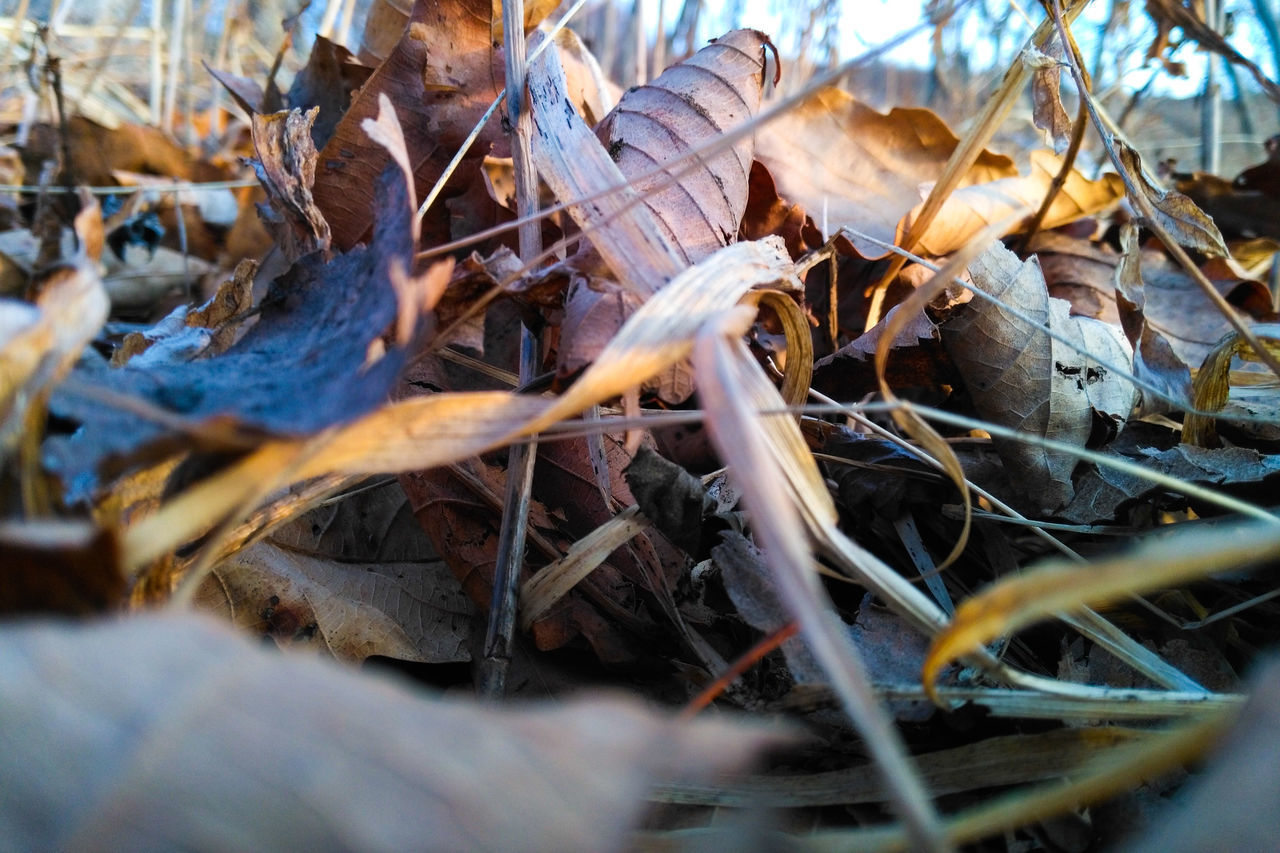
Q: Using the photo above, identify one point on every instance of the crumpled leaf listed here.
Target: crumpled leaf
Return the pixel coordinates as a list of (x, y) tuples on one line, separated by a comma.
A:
[(1176, 213), (1154, 360), (1019, 377), (327, 82), (1046, 95), (1174, 305), (441, 77), (286, 167), (300, 368), (106, 724)]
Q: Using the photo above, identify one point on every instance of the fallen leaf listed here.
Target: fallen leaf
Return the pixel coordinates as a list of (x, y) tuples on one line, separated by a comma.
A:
[(1019, 377), (300, 368), (286, 167), (852, 166), (441, 77), (667, 121), (300, 752), (968, 210), (407, 611)]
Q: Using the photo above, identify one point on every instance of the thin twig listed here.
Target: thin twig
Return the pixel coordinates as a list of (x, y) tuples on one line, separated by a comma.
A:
[(491, 677)]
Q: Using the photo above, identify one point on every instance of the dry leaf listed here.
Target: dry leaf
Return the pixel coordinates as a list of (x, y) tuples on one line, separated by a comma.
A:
[(852, 166), (408, 611), (665, 121), (286, 167), (300, 368), (1176, 213), (1019, 377), (1046, 96), (300, 753), (441, 77), (970, 209), (329, 80)]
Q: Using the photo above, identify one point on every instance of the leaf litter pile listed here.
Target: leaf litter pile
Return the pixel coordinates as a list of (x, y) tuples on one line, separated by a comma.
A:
[(902, 493)]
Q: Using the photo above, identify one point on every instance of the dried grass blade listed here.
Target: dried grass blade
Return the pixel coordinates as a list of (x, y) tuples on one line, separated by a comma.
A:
[(1059, 586), (729, 383)]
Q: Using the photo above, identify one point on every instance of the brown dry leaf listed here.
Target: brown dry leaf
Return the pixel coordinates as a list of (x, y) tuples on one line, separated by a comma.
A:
[(1046, 95), (328, 81), (407, 611), (1154, 360), (852, 166), (663, 122), (1174, 306), (1176, 213), (970, 209), (1166, 560), (643, 234), (303, 754), (767, 213), (387, 20), (441, 77), (1020, 377), (286, 167), (248, 94)]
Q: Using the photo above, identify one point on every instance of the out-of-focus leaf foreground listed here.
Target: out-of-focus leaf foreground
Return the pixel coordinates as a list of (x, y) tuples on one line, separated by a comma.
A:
[(884, 414)]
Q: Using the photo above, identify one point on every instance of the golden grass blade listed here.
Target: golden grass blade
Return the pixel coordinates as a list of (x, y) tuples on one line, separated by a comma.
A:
[(425, 432), (1058, 586), (541, 592)]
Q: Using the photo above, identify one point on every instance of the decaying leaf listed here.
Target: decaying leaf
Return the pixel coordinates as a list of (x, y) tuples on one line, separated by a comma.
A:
[(1046, 96), (1019, 376), (408, 611), (300, 368), (286, 166), (1176, 213), (298, 752)]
